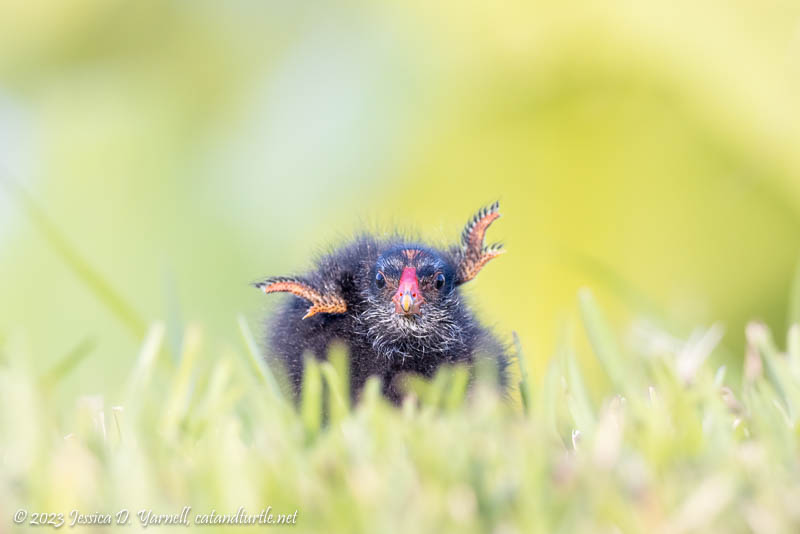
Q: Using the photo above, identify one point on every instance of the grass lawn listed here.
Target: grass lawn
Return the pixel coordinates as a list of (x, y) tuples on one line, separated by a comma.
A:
[(668, 446)]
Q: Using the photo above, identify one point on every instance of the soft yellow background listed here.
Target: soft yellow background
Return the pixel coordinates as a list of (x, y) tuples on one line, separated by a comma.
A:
[(648, 150)]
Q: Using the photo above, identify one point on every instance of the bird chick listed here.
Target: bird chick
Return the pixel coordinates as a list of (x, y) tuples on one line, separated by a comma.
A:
[(394, 303)]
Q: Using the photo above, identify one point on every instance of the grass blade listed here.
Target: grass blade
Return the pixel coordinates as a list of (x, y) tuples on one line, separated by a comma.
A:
[(578, 403), (311, 397), (98, 285), (456, 392), (602, 341), (546, 406), (68, 363), (179, 392), (340, 360), (263, 372), (140, 376), (525, 388), (776, 368), (337, 405)]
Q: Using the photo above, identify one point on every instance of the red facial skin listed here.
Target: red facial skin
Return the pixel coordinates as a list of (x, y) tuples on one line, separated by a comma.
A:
[(408, 299)]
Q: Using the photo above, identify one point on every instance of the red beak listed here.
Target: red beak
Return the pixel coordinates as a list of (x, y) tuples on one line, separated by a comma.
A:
[(408, 299)]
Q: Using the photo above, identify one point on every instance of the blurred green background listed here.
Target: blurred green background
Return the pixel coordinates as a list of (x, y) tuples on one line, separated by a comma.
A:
[(184, 149)]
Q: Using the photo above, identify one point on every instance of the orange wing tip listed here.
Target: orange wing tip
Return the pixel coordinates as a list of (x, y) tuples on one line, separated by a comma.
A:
[(474, 231), (320, 302), (474, 255)]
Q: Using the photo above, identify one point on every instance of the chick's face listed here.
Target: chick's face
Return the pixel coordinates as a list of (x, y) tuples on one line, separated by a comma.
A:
[(411, 282), (411, 305)]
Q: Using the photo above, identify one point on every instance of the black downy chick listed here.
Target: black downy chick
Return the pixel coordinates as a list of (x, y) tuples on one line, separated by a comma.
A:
[(395, 304)]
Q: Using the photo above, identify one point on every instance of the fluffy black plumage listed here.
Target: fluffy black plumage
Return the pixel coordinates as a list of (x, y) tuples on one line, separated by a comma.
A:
[(396, 304)]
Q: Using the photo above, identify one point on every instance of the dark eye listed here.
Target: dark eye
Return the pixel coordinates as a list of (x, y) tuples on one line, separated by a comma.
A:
[(439, 281), (380, 281)]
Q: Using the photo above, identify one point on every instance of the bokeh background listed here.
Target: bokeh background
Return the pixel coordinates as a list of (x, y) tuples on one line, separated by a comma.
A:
[(183, 149)]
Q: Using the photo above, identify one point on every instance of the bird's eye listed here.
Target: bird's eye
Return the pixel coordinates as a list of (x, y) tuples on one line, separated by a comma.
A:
[(439, 281), (380, 281)]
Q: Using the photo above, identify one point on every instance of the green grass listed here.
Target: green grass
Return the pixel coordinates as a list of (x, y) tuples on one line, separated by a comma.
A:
[(657, 450)]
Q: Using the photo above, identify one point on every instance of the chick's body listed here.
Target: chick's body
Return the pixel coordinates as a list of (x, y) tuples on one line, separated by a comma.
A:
[(395, 305)]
